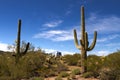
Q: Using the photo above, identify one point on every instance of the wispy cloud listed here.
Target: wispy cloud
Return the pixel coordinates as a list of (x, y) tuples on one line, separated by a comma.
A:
[(53, 23), (103, 24), (4, 46), (55, 35), (115, 44), (68, 12), (53, 51), (110, 37), (100, 52), (103, 53)]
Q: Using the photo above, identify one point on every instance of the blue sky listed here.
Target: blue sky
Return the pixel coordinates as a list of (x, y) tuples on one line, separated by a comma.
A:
[(49, 24)]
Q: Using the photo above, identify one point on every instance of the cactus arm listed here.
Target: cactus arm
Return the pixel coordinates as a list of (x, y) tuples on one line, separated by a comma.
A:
[(94, 42), (27, 47), (81, 42), (76, 40)]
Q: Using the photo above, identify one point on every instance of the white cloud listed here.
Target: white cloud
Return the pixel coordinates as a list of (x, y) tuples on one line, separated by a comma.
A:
[(100, 52), (53, 23), (68, 12), (92, 17), (53, 51), (113, 45), (50, 50), (3, 46), (110, 37), (103, 53), (103, 24), (56, 35), (102, 40)]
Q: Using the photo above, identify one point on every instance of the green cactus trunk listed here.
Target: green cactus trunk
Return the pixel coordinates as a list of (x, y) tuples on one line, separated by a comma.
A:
[(84, 47), (18, 54), (18, 37), (83, 61)]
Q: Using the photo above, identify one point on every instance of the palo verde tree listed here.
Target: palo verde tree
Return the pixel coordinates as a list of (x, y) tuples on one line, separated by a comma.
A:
[(18, 53), (84, 44)]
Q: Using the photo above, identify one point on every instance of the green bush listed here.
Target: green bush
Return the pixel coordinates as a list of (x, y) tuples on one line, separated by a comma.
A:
[(5, 62), (61, 67), (110, 75), (27, 66), (111, 67), (63, 74), (38, 78), (76, 71), (58, 78), (6, 78), (112, 61), (72, 76), (94, 64), (72, 60), (87, 75)]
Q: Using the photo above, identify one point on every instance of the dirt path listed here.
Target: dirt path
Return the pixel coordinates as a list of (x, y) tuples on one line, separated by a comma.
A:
[(78, 77)]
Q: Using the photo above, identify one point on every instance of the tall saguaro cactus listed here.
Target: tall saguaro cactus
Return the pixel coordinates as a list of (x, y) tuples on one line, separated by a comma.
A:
[(84, 44), (18, 53)]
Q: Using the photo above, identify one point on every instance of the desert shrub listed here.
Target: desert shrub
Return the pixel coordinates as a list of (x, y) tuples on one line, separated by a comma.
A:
[(29, 64), (25, 68), (38, 78), (71, 77), (76, 71), (112, 61), (51, 59), (72, 60), (94, 64), (45, 72), (63, 74), (6, 78), (58, 78), (111, 67), (68, 78), (41, 67), (61, 67), (79, 63), (110, 75), (87, 75), (5, 60), (51, 73)]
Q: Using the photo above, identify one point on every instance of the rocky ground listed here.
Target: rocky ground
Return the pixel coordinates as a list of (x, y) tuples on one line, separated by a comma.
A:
[(78, 77)]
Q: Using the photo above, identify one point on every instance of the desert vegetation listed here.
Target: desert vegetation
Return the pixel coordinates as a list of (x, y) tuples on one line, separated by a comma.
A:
[(29, 64), (37, 65)]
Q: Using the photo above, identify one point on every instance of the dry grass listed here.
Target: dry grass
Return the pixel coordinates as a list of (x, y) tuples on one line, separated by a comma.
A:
[(78, 77)]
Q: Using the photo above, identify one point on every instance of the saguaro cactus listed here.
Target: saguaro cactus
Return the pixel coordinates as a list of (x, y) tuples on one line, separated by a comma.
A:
[(84, 47), (18, 53)]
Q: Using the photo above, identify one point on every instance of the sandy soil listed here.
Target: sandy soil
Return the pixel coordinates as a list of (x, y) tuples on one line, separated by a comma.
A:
[(78, 77)]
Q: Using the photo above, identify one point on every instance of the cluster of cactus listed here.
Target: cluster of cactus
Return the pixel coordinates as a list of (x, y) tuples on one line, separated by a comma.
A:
[(84, 47), (18, 53)]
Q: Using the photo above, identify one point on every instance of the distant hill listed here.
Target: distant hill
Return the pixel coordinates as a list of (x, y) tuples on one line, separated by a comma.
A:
[(1, 52)]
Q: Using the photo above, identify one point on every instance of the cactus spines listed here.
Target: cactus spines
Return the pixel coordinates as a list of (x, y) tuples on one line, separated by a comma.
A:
[(18, 53), (84, 43)]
